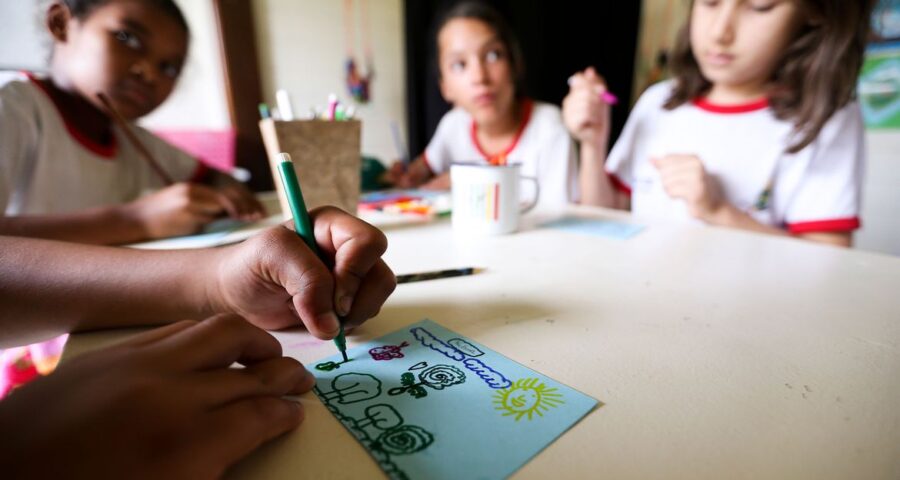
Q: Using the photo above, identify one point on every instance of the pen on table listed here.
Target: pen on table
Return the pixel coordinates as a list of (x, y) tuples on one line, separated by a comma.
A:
[(283, 99), (302, 223), (132, 137), (422, 276)]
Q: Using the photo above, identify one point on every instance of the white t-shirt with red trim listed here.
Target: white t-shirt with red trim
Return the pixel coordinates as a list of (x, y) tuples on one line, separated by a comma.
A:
[(542, 147), (744, 147), (47, 166)]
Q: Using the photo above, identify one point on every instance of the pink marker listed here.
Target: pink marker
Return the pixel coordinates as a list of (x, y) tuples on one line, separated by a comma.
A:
[(609, 98)]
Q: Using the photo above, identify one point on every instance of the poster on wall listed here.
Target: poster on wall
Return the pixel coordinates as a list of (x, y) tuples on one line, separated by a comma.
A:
[(879, 84)]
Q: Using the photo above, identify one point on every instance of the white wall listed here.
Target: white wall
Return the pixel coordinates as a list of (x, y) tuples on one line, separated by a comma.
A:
[(881, 198), (302, 49), (198, 102), (22, 44)]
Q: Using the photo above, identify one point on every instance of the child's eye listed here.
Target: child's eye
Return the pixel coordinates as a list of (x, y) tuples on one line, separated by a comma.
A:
[(762, 6), (709, 3), (170, 70), (457, 66), (129, 39), (493, 56)]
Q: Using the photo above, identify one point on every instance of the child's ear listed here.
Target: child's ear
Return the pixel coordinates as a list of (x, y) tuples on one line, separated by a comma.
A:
[(58, 16)]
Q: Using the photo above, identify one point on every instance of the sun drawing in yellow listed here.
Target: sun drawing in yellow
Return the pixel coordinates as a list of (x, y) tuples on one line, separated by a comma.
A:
[(526, 397)]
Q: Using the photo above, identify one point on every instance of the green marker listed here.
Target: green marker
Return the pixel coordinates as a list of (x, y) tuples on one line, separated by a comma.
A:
[(302, 223)]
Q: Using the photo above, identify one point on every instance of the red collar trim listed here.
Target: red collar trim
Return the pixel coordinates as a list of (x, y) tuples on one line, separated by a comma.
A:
[(500, 158), (105, 151), (704, 104)]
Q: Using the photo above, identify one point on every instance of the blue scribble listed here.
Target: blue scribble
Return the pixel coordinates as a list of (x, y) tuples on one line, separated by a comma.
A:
[(465, 347), (493, 378), (433, 343)]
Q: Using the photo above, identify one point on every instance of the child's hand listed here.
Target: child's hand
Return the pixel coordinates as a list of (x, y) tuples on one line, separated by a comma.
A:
[(684, 177), (413, 176), (439, 182), (180, 209), (275, 281), (584, 113), (240, 202), (164, 404)]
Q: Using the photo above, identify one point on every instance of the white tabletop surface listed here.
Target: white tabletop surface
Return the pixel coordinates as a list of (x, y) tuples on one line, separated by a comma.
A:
[(715, 353)]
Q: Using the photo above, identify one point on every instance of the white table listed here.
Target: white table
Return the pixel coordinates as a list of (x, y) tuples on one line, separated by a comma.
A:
[(716, 353)]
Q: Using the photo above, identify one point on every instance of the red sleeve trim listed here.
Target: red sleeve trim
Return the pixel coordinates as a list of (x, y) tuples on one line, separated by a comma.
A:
[(823, 226), (199, 173), (619, 184)]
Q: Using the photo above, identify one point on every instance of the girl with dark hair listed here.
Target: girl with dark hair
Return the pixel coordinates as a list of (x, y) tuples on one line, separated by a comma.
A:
[(493, 122), (758, 130), (67, 172)]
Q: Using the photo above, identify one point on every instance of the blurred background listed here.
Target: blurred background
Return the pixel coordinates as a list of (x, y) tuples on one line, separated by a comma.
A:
[(243, 51)]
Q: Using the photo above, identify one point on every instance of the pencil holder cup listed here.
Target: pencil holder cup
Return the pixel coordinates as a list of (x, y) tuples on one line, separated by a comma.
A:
[(326, 159), (486, 198)]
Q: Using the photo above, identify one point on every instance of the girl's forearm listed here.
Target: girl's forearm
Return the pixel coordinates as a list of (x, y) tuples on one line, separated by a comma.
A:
[(48, 288), (98, 226), (595, 185), (730, 216)]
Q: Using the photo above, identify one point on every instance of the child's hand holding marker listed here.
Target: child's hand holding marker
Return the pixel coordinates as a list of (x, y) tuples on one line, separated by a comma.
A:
[(274, 280), (586, 109)]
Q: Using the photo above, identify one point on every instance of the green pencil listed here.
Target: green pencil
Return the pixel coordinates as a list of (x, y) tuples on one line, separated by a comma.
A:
[(302, 223)]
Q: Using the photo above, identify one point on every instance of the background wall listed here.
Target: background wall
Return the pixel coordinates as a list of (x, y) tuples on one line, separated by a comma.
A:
[(21, 45), (199, 100), (302, 49)]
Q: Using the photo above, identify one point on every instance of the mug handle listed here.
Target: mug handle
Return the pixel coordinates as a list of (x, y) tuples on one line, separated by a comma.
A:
[(537, 194)]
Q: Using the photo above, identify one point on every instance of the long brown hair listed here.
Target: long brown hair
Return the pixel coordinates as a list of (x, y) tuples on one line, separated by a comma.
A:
[(816, 76)]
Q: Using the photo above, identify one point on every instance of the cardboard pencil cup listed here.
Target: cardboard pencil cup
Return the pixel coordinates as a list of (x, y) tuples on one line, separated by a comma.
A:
[(326, 159)]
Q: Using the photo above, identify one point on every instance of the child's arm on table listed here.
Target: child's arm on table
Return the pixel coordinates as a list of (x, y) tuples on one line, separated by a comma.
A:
[(684, 177), (417, 174), (273, 280)]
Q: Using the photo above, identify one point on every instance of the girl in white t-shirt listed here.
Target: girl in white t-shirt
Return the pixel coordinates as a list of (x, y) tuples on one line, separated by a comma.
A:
[(492, 122), (66, 171), (758, 130)]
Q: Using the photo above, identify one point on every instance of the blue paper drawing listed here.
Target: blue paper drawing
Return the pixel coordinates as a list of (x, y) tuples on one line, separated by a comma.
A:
[(465, 347), (437, 377), (527, 396), (595, 227), (493, 378), (495, 424)]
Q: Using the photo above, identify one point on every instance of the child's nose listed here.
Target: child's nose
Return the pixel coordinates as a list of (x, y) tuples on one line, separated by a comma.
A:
[(723, 28), (145, 71), (479, 72)]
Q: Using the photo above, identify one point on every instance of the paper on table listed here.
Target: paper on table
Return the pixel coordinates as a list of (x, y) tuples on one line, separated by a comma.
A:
[(218, 233), (596, 227), (428, 403)]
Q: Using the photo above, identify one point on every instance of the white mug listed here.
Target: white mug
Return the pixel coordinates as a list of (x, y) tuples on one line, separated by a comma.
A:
[(486, 198)]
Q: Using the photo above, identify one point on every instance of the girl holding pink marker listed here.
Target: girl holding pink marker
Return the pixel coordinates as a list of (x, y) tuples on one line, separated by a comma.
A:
[(759, 129)]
